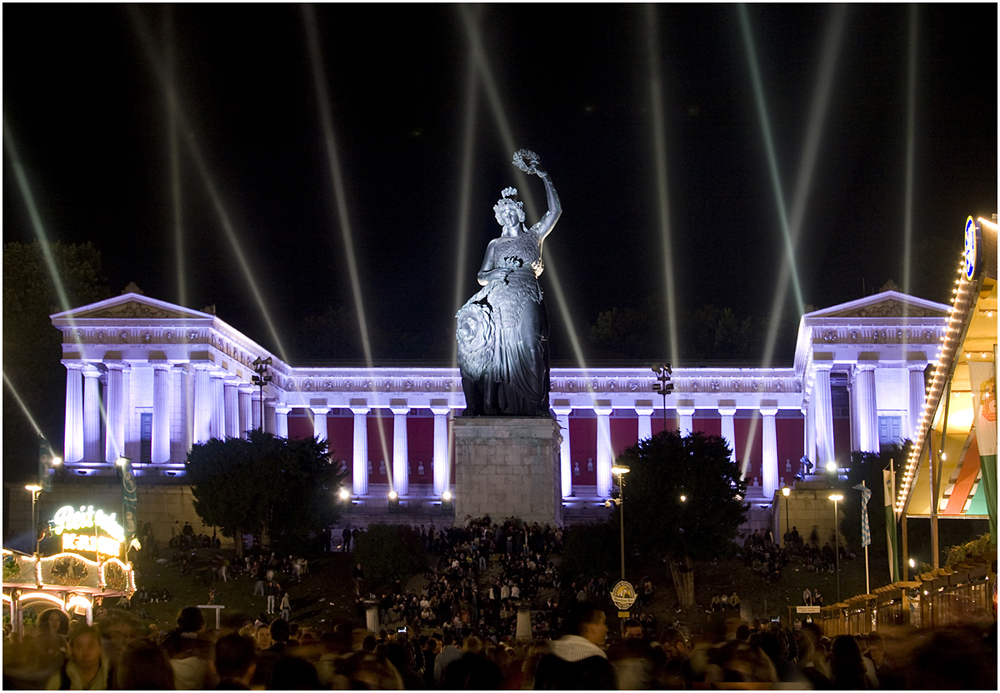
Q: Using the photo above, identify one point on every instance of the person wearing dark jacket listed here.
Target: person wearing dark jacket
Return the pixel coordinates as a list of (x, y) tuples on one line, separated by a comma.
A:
[(578, 661)]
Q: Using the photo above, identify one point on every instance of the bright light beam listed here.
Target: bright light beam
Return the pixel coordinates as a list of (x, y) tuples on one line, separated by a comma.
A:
[(663, 197), (192, 144), (911, 108), (765, 126), (340, 197), (803, 184), (174, 150), (24, 407)]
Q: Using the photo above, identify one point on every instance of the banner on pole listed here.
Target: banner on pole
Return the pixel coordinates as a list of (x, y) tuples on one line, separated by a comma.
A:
[(866, 531), (888, 488), (984, 398), (130, 499)]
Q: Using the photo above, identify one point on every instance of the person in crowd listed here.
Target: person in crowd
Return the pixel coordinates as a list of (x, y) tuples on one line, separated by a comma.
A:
[(88, 668), (235, 662), (578, 660), (449, 653), (143, 665)]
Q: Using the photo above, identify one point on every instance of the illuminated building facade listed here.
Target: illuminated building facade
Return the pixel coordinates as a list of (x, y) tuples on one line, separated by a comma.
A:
[(147, 379)]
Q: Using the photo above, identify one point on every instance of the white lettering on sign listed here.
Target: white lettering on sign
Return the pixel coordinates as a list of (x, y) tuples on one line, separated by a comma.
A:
[(88, 542), (66, 518)]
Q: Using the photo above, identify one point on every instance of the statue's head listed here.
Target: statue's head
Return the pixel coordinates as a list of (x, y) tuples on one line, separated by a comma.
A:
[(507, 204)]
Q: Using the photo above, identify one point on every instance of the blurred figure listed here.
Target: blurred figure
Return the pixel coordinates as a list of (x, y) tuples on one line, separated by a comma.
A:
[(143, 666), (578, 660), (847, 668), (294, 674), (633, 658), (235, 662), (953, 657), (87, 668)]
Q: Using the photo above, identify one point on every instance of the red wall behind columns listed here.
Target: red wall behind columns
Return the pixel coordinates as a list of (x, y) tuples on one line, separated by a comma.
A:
[(420, 444), (299, 425), (711, 426), (790, 445), (583, 445), (375, 451), (624, 433), (742, 429), (340, 432)]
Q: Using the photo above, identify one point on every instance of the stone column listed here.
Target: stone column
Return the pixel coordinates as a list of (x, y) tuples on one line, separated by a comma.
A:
[(359, 478), (727, 410), (202, 404), (562, 411), (114, 435), (852, 391), (440, 409), (918, 394), (281, 420), (867, 407), (91, 413), (180, 419), (218, 426), (822, 405), (320, 430), (685, 410), (809, 422), (400, 450), (231, 397), (605, 454), (271, 416), (160, 444), (246, 409), (73, 442), (644, 408), (769, 462)]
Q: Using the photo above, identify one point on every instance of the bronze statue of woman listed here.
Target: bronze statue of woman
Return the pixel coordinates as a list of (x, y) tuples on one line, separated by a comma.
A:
[(503, 330)]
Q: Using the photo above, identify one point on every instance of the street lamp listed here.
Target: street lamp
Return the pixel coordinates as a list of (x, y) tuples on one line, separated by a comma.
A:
[(260, 380), (836, 498), (35, 490), (785, 491), (621, 470)]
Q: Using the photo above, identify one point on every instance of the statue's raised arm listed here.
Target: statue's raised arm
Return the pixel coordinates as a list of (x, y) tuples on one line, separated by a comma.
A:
[(527, 161)]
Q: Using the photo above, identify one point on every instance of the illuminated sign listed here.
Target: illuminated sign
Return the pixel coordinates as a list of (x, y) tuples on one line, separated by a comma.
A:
[(88, 542), (971, 253), (67, 519)]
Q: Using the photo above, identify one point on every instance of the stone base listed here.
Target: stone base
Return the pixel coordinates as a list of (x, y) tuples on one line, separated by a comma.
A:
[(508, 466)]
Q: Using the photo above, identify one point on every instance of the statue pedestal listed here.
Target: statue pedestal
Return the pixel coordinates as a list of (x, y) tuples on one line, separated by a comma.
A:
[(508, 466)]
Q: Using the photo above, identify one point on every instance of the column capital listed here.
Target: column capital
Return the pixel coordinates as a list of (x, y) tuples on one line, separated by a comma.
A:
[(602, 407), (561, 407), (440, 407), (768, 407), (90, 370), (727, 407), (916, 361), (825, 366), (360, 407), (644, 407), (320, 411), (399, 407), (685, 407), (73, 365), (282, 409)]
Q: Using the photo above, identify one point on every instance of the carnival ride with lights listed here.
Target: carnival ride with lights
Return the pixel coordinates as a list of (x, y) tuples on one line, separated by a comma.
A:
[(87, 567)]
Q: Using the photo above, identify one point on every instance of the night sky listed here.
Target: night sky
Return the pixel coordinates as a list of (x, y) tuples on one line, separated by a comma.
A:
[(87, 112)]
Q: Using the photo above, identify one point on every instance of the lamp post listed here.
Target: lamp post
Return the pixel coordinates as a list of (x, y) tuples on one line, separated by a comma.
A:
[(261, 379), (35, 490), (785, 491), (836, 498), (663, 387), (621, 470)]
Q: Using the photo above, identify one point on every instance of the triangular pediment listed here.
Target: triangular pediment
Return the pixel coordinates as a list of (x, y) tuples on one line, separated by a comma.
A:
[(131, 306), (888, 304)]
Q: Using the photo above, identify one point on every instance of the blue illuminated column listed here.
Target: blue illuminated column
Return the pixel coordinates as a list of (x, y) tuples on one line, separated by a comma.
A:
[(727, 410), (202, 429), (769, 463), (685, 410), (114, 440), (562, 411), (281, 420), (440, 409), (867, 408), (232, 406), (246, 408), (918, 392), (180, 415), (218, 425), (320, 430), (91, 413), (822, 406), (605, 454), (359, 477), (400, 447), (644, 409), (73, 443), (160, 443)]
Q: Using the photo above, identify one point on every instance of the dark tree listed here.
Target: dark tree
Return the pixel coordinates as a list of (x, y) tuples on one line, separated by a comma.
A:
[(31, 345), (390, 552), (683, 501), (284, 489)]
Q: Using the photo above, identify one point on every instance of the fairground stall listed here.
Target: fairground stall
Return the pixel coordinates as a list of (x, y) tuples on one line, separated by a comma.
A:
[(80, 558)]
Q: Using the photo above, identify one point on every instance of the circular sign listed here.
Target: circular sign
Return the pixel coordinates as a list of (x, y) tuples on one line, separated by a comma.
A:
[(623, 595), (971, 253)]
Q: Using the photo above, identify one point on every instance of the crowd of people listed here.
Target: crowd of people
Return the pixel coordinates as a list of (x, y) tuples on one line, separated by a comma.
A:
[(119, 653)]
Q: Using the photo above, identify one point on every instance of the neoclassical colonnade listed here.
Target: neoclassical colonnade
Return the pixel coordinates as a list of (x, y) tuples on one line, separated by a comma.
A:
[(148, 379)]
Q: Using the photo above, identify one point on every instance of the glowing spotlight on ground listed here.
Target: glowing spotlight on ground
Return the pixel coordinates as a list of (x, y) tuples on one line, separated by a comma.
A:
[(344, 494)]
